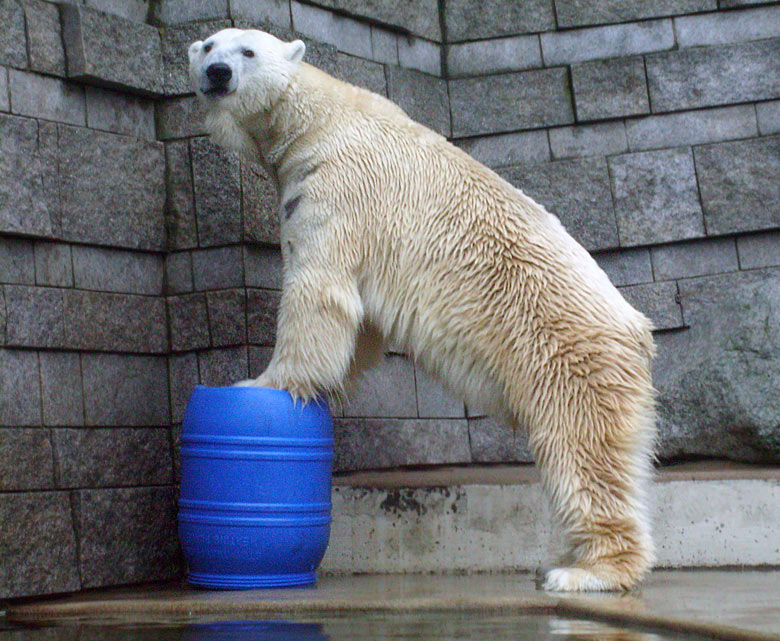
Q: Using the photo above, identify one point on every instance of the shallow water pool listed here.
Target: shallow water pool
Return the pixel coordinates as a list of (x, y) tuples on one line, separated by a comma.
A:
[(432, 626)]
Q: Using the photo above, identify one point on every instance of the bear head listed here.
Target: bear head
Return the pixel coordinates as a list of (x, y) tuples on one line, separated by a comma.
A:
[(243, 70)]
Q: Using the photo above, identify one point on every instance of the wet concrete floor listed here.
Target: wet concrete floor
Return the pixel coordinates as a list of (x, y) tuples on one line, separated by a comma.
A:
[(717, 603)]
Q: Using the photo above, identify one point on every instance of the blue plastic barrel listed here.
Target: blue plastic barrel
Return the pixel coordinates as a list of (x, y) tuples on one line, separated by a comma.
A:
[(254, 507)]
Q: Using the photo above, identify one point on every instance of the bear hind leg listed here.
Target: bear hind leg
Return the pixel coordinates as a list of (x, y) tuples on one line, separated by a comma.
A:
[(595, 468)]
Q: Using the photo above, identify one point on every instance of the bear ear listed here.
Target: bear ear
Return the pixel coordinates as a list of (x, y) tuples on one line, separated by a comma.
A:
[(295, 50), (194, 48)]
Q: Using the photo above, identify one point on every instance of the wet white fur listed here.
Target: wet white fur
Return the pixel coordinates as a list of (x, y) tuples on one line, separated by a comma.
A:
[(398, 232)]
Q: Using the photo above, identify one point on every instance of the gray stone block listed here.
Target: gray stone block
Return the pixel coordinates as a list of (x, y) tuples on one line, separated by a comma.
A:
[(227, 317), (658, 301), (523, 100), (259, 204), (601, 139), (576, 13), (217, 182), (420, 18), (38, 543), (218, 268), (419, 54), (699, 258), (44, 37), (717, 382), (739, 185), (710, 76), (188, 322), (5, 99), (111, 51), (61, 388), (46, 97), (126, 535), (264, 12), (27, 462), (120, 113), (656, 197), (183, 373), (116, 270), (759, 250), (434, 400), (525, 147), (137, 10), (113, 189), (423, 97), (263, 266), (16, 261), (492, 56), (175, 42), (123, 389), (384, 46), (626, 266), (178, 273), (727, 28), (493, 442), (13, 45), (180, 117), (53, 264), (728, 4), (114, 322), (578, 45), (692, 127), (35, 316), (475, 19), (375, 443), (348, 35), (262, 309), (610, 88), (386, 390), (577, 191), (259, 358), (768, 117), (112, 456), (169, 12), (180, 197), (223, 366), (28, 176), (363, 73)]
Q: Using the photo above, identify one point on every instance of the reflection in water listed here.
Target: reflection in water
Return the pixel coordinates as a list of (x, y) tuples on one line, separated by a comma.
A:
[(255, 631), (349, 626), (579, 630)]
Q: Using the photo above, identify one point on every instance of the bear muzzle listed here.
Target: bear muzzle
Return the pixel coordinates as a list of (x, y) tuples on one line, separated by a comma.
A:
[(216, 80)]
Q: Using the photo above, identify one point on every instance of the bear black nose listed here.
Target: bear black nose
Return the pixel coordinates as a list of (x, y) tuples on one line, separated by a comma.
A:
[(219, 73)]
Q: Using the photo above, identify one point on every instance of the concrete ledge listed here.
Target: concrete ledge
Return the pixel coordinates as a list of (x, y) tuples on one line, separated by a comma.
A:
[(497, 519)]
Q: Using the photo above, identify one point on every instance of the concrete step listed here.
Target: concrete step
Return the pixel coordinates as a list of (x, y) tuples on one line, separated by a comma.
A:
[(497, 519)]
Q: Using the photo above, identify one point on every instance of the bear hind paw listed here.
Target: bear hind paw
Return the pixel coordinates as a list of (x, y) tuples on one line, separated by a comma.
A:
[(576, 579)]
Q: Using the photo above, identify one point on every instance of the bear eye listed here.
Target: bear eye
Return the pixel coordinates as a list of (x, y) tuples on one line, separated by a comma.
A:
[(208, 47), (248, 53)]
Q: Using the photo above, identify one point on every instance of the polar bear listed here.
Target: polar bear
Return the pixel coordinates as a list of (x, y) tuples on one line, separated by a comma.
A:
[(386, 227)]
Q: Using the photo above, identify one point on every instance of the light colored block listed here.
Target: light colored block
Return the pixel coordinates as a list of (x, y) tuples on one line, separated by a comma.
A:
[(728, 27), (384, 46), (348, 35), (588, 140), (768, 117), (493, 56), (692, 127), (419, 54), (46, 97), (564, 47)]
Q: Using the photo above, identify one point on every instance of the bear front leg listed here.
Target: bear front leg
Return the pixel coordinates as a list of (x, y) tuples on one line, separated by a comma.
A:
[(318, 322)]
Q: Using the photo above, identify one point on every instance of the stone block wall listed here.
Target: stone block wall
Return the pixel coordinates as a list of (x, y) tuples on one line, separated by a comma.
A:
[(137, 259)]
